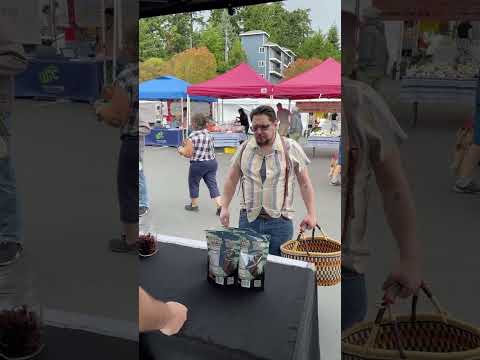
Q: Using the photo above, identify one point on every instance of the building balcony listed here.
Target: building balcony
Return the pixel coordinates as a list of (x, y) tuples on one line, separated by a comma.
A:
[(275, 59), (275, 72)]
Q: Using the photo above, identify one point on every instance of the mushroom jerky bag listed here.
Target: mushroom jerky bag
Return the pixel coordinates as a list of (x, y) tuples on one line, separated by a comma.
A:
[(223, 251), (253, 259)]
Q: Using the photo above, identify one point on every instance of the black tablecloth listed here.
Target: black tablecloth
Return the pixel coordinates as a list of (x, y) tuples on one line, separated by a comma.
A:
[(63, 344), (279, 323)]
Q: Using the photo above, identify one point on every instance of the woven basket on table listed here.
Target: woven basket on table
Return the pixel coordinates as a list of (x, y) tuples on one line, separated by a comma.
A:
[(323, 252), (414, 337)]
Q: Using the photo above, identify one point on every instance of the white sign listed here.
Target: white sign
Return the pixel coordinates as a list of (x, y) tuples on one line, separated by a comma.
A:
[(20, 21)]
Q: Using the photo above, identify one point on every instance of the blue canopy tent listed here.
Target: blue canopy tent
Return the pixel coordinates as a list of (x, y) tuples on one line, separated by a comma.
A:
[(170, 88)]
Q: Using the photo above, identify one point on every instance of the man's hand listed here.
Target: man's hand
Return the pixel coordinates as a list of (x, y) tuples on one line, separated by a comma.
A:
[(176, 318), (308, 223), (225, 216), (407, 277), (180, 150)]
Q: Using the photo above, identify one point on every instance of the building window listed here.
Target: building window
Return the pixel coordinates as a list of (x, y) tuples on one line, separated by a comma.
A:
[(261, 49), (261, 63)]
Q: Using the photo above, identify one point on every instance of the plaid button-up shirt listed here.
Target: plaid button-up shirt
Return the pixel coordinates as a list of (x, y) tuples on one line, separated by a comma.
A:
[(269, 194), (203, 148), (128, 80)]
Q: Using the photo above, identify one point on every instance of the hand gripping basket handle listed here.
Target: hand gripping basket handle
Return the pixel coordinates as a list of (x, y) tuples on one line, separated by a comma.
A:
[(386, 306), (302, 238)]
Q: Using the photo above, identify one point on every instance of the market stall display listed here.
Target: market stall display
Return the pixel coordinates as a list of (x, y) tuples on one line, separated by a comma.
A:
[(164, 137), (270, 325), (440, 56), (76, 80)]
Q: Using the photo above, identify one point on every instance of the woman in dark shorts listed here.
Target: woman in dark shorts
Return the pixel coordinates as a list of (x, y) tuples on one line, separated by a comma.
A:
[(203, 164)]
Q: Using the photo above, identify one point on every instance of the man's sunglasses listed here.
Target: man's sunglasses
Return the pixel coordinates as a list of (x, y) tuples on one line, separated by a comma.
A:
[(254, 128)]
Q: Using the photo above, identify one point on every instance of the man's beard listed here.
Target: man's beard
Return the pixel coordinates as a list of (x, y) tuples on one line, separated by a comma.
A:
[(263, 141)]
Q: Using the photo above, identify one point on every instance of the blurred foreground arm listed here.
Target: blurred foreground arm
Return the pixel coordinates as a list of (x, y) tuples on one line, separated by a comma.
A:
[(401, 216), (155, 315)]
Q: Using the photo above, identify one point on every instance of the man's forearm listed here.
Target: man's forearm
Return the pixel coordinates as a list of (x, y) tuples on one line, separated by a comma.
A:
[(228, 192), (398, 205), (308, 195), (401, 216)]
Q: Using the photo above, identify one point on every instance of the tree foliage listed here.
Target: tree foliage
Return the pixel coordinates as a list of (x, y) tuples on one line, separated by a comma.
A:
[(301, 65), (166, 36), (194, 65), (318, 46), (153, 68)]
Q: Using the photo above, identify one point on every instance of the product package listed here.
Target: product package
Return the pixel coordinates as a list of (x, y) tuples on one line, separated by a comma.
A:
[(223, 252), (253, 260), (237, 257)]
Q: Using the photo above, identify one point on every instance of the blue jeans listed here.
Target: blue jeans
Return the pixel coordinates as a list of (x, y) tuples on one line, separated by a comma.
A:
[(142, 188), (10, 229), (280, 230), (206, 170), (354, 298)]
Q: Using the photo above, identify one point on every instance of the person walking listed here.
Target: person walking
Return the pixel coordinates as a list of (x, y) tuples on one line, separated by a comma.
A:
[(296, 127), (203, 164), (12, 61), (283, 116), (266, 166), (143, 204), (123, 113), (244, 120)]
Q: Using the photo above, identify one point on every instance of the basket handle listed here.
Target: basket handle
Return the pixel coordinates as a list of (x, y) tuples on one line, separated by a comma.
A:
[(386, 306), (302, 238)]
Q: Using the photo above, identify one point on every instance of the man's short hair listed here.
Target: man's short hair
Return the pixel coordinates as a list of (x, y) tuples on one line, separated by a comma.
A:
[(279, 104), (264, 110)]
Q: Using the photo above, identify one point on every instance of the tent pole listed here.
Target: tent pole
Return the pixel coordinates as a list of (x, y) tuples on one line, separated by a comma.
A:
[(189, 116), (223, 120), (181, 112), (115, 40), (120, 23), (218, 112), (104, 43), (289, 105)]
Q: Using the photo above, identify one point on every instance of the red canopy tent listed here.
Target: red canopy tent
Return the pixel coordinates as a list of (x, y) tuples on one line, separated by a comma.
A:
[(323, 81), (240, 82), (429, 9)]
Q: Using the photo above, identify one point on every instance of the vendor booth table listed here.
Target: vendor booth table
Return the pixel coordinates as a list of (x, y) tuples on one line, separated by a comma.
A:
[(323, 142), (416, 91), (225, 139), (62, 343), (164, 137), (76, 80), (279, 323)]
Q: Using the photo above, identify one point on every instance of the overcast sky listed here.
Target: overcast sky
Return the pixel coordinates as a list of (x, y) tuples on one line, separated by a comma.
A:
[(323, 13)]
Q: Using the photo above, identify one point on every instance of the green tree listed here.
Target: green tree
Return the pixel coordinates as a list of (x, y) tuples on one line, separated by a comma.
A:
[(333, 38), (212, 39), (153, 68), (318, 46), (151, 38), (287, 28), (237, 54)]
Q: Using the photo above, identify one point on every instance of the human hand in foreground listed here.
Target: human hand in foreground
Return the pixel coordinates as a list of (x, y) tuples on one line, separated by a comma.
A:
[(176, 318), (404, 281), (225, 216)]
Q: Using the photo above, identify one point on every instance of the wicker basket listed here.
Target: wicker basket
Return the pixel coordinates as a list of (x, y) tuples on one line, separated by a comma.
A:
[(323, 252), (414, 337)]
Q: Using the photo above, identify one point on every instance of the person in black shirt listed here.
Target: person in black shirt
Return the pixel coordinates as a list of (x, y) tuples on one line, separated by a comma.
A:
[(463, 30), (244, 120)]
